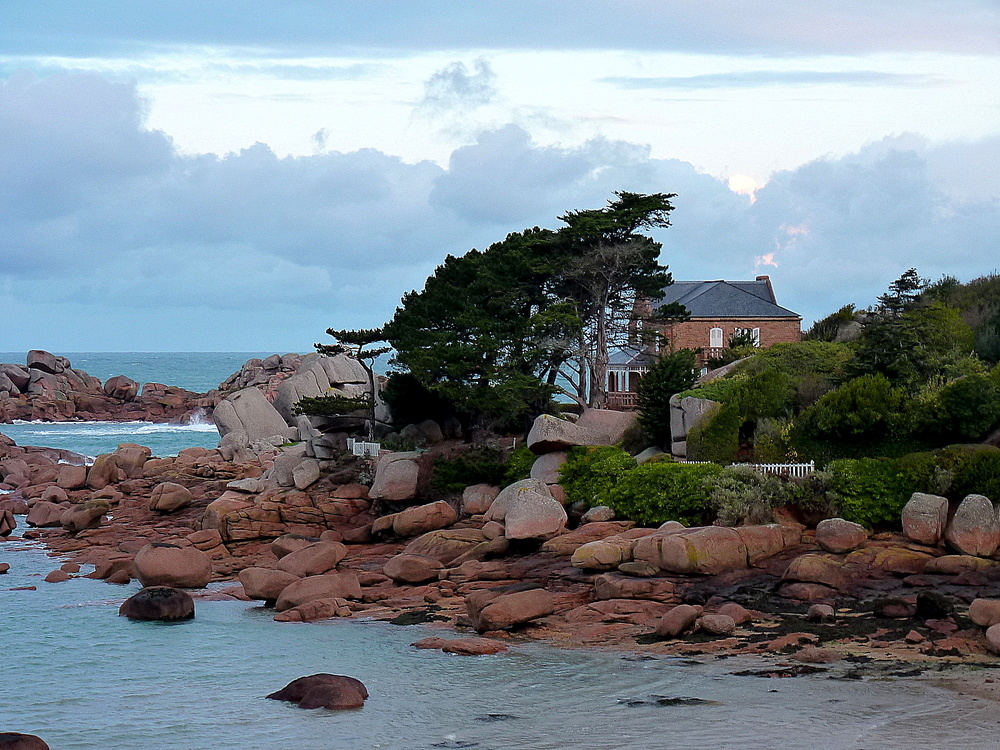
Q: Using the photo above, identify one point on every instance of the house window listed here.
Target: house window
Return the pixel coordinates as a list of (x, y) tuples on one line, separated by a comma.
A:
[(715, 338), (751, 333)]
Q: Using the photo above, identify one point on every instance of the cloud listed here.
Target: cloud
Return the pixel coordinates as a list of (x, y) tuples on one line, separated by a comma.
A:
[(455, 88), (111, 238), (759, 78)]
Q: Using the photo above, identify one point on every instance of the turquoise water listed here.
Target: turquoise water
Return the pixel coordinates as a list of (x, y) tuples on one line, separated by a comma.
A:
[(93, 438), (196, 371), (83, 678)]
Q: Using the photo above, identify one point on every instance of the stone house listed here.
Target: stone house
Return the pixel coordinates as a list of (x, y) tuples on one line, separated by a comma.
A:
[(718, 310)]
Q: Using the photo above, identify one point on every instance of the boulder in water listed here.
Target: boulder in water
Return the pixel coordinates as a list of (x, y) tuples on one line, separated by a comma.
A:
[(158, 603), (333, 691)]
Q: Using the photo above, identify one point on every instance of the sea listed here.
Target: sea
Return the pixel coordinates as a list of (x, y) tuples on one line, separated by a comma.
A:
[(82, 678), (195, 371)]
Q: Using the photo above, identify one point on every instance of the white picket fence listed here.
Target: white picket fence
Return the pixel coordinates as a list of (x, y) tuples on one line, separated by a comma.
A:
[(362, 448), (795, 471)]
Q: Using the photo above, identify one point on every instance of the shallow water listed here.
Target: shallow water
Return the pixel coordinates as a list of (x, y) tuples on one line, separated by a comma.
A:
[(81, 677)]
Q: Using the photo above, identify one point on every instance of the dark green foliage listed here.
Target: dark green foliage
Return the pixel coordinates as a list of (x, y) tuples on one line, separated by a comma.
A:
[(965, 409), (411, 402), (870, 491), (979, 473), (480, 465), (858, 418), (356, 344), (732, 353), (829, 327), (717, 439), (670, 374), (519, 465), (330, 406), (590, 473), (979, 304), (654, 493)]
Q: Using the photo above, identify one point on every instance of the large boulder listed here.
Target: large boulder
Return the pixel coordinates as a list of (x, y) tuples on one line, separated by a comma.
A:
[(477, 498), (158, 603), (86, 515), (18, 741), (160, 564), (342, 369), (131, 457), (706, 551), (446, 544), (167, 497), (603, 554), (314, 559), (396, 477), (975, 528), (497, 609), (343, 585), (121, 388), (678, 620), (303, 384), (424, 518), (248, 411), (412, 568), (838, 535), (925, 517), (533, 515), (609, 424), (39, 359), (104, 471), (7, 522), (550, 433), (686, 414), (323, 690), (816, 569), (505, 499), (546, 467), (44, 515), (985, 612), (264, 583)]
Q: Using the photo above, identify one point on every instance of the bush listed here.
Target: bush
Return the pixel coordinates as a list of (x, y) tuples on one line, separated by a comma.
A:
[(741, 495), (481, 465), (966, 409), (978, 474), (657, 492), (717, 439), (870, 491), (670, 374), (590, 473), (772, 441), (519, 465)]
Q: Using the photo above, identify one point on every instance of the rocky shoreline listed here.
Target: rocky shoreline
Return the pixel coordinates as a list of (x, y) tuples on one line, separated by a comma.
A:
[(294, 525)]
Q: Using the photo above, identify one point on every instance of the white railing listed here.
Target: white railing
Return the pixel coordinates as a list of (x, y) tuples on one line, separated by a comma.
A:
[(795, 471), (361, 448)]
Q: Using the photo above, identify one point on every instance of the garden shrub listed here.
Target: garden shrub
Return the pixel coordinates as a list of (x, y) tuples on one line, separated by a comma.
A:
[(717, 439), (479, 465), (870, 491), (741, 495), (590, 473), (978, 473), (966, 409), (772, 441), (519, 465), (663, 491)]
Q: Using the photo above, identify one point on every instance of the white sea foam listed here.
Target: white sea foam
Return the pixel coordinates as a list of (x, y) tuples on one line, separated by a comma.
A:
[(98, 428)]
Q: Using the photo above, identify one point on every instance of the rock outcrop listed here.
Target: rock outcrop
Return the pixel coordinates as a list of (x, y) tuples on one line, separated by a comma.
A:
[(158, 603), (323, 690)]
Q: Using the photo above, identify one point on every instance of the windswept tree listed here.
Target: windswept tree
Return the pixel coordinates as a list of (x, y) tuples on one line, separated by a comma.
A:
[(609, 266), (354, 344)]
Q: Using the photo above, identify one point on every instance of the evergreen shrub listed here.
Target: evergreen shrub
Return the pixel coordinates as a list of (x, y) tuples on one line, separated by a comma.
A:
[(870, 491), (519, 465), (479, 465), (741, 495), (591, 472), (717, 439), (656, 492)]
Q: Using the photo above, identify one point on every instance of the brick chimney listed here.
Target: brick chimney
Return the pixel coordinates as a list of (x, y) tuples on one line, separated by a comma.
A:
[(770, 289)]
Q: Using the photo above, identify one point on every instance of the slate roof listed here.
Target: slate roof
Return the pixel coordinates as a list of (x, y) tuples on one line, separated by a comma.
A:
[(626, 356), (726, 299)]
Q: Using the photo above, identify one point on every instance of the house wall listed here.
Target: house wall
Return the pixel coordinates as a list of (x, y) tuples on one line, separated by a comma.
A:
[(694, 334)]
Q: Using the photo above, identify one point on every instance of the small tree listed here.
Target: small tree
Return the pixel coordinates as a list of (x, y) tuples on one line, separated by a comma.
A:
[(670, 374), (353, 343)]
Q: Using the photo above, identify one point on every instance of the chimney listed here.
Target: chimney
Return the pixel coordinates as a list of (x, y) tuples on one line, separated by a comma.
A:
[(770, 289)]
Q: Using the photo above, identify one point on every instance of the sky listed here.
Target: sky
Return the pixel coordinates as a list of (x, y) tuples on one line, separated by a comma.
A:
[(240, 176)]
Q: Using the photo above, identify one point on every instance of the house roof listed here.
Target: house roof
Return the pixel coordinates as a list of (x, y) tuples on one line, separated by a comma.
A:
[(627, 356), (726, 299)]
